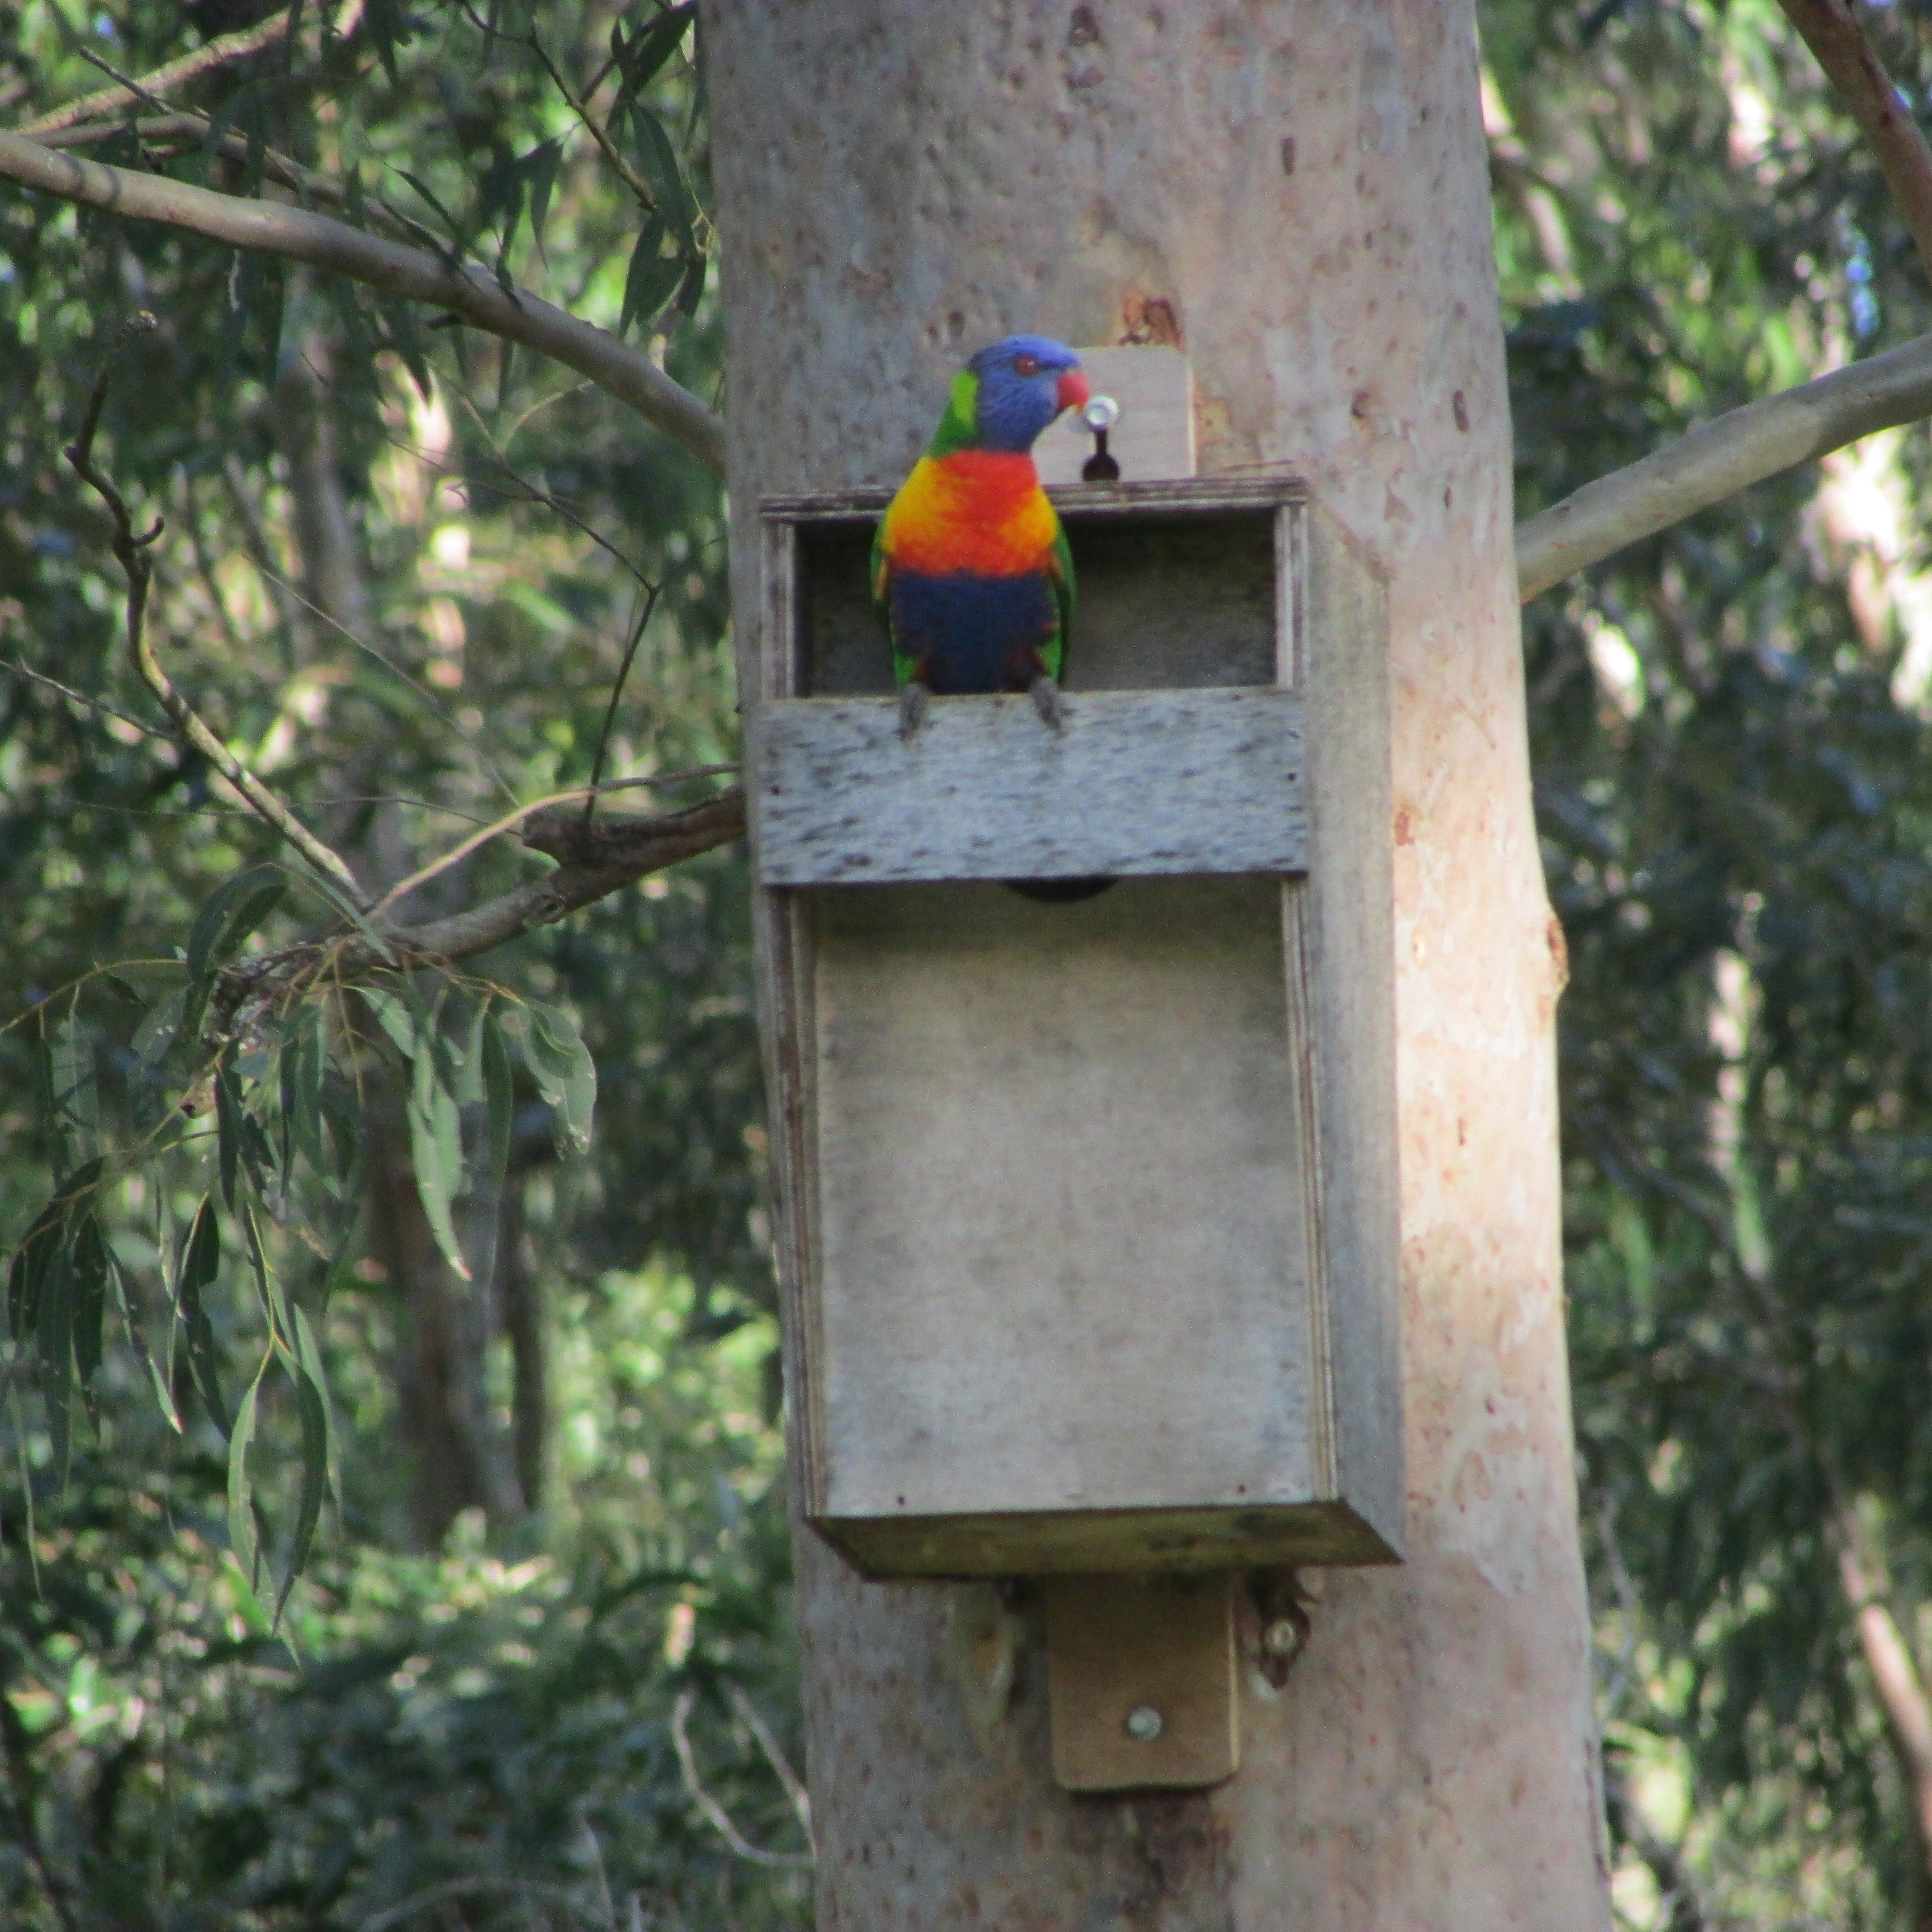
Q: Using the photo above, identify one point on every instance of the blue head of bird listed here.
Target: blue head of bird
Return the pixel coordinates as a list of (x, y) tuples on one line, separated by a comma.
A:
[(1025, 382)]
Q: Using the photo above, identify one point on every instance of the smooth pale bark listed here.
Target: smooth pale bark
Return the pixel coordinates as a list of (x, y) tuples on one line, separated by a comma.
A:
[(1304, 187)]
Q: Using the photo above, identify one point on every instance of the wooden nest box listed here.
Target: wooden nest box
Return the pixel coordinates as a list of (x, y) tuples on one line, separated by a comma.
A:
[(1088, 1208)]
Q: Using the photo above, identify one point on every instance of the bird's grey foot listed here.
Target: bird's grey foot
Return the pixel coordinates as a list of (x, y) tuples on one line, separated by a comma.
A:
[(913, 701), (1046, 702)]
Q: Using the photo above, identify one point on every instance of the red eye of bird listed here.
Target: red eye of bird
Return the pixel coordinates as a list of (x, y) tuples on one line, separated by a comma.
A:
[(1026, 365)]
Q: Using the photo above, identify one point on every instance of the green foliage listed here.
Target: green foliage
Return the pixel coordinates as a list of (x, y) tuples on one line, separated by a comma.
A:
[(1734, 798), (265, 1660)]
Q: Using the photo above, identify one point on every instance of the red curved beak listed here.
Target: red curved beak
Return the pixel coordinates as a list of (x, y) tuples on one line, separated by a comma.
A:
[(1073, 391)]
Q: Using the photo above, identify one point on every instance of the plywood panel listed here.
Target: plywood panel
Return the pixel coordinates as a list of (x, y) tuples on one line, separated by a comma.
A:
[(1149, 782), (1084, 1542), (1348, 946), (1062, 1233)]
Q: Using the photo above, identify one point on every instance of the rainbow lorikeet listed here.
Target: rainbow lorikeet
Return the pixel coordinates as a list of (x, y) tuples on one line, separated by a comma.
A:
[(970, 571)]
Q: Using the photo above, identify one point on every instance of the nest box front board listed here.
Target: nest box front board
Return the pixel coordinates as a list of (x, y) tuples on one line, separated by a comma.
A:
[(1087, 1209)]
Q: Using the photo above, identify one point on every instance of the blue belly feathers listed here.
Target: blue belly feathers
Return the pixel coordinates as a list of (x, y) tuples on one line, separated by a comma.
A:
[(973, 634)]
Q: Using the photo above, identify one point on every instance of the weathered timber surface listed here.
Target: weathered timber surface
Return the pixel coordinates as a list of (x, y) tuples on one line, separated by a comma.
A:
[(1062, 1219), (1136, 783), (1064, 1542)]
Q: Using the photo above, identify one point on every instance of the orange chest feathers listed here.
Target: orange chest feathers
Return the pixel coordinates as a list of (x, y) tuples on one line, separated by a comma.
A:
[(974, 513)]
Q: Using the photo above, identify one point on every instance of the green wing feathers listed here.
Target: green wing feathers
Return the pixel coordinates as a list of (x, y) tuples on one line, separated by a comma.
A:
[(1060, 573)]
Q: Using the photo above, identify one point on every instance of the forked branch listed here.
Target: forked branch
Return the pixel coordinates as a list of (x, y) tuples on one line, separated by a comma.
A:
[(134, 553)]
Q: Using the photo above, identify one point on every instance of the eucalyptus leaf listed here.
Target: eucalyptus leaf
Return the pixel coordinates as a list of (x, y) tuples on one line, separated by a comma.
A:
[(242, 1540), (315, 1471), (74, 1093), (561, 1065), (201, 1262), (436, 1146)]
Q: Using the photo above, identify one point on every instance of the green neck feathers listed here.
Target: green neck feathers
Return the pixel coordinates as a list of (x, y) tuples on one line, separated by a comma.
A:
[(959, 427)]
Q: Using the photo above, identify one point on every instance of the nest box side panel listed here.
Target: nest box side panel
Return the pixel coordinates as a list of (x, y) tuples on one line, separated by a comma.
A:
[(1347, 930), (1062, 1234)]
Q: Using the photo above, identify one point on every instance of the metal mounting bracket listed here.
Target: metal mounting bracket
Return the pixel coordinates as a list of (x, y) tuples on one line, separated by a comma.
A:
[(1140, 1682)]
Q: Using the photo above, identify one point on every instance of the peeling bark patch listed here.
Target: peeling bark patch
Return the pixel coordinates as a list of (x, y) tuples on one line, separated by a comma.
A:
[(1559, 953), (1149, 319)]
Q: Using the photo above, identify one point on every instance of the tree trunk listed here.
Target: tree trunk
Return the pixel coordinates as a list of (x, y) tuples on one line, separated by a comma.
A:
[(1299, 192)]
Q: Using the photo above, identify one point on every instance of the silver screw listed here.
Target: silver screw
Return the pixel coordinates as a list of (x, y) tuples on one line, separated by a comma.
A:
[(1144, 1724), (1281, 1638), (1102, 412)]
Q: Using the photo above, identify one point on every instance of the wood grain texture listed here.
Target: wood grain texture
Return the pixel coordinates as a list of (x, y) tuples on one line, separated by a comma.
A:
[(1136, 783), (1064, 1542), (1341, 928), (1063, 1221)]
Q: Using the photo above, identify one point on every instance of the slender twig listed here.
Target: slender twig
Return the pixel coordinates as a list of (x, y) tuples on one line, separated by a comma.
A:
[(598, 132), (794, 1786), (395, 670), (134, 555), (720, 1819), (653, 592), (300, 234), (204, 60), (134, 87), (1831, 31), (616, 692), (510, 820), (81, 697)]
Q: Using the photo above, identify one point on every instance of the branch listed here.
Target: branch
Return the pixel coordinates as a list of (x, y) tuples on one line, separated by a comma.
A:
[(177, 125), (1832, 33), (639, 191), (511, 819), (720, 1819), (595, 860), (133, 553), (204, 60), (1720, 458), (1889, 1656), (299, 235), (794, 1787)]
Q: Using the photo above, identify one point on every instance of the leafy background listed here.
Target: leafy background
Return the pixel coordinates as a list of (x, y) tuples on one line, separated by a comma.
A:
[(557, 1560)]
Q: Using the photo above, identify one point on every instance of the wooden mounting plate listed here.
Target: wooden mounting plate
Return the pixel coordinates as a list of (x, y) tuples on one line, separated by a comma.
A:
[(1120, 1645)]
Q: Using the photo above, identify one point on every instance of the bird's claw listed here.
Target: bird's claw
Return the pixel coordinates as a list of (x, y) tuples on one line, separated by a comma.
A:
[(912, 700), (1046, 701)]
